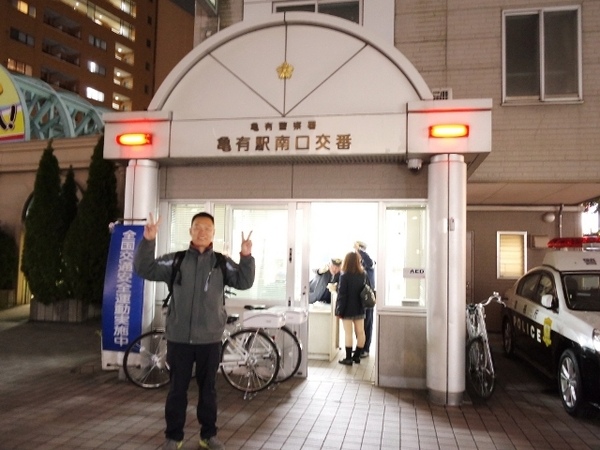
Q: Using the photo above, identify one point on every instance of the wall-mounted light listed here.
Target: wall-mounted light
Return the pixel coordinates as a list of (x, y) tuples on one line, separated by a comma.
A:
[(549, 217), (134, 139), (448, 131)]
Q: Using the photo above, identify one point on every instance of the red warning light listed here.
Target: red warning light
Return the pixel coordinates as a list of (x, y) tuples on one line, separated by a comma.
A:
[(449, 131), (575, 242), (134, 139)]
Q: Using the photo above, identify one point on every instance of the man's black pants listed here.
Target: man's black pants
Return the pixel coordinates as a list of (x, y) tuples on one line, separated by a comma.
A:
[(181, 359)]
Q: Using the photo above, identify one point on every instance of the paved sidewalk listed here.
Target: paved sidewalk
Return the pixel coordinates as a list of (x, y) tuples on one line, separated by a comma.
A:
[(54, 395)]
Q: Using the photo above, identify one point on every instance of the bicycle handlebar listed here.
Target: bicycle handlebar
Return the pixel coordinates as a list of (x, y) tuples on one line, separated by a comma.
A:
[(494, 297)]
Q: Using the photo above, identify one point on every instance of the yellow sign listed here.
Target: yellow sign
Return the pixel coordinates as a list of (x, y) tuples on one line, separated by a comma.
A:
[(547, 331), (12, 118)]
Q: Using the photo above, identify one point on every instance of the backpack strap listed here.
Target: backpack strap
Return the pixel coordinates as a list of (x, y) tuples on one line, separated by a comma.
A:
[(175, 268)]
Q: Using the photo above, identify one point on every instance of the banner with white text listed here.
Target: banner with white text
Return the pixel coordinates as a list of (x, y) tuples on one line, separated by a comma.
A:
[(123, 299)]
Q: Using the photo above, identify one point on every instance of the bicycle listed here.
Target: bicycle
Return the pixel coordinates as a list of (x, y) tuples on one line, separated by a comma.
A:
[(480, 372), (290, 347), (249, 359)]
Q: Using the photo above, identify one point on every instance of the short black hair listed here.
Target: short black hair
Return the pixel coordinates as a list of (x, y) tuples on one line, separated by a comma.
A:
[(203, 214)]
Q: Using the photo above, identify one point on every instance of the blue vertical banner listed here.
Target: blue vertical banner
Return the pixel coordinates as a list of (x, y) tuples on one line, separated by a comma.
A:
[(123, 299)]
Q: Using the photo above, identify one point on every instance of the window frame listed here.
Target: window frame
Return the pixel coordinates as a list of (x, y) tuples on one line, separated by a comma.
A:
[(316, 3), (502, 274), (541, 96)]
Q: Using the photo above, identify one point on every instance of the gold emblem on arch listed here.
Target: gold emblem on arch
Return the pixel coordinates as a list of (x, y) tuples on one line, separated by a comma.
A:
[(285, 71)]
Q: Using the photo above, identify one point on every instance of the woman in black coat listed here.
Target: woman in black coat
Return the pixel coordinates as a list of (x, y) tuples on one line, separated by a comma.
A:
[(349, 308)]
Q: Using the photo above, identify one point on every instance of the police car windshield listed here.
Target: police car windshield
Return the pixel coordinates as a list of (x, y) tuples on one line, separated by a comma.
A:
[(582, 291)]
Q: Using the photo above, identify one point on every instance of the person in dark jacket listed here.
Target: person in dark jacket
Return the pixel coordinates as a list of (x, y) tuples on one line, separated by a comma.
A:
[(319, 286), (369, 266), (349, 308), (195, 321)]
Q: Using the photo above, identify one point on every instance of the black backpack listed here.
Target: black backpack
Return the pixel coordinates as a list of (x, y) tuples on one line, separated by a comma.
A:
[(176, 267)]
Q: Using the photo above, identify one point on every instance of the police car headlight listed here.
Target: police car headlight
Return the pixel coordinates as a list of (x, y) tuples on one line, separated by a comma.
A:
[(596, 339)]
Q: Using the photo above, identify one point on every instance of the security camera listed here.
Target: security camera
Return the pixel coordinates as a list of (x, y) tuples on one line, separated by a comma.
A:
[(414, 164)]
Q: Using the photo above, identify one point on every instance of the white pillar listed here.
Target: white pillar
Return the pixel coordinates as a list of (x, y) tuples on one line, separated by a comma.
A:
[(446, 279), (141, 198)]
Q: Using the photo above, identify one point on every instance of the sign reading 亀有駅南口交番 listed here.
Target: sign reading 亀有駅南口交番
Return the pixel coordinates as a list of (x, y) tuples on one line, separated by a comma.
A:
[(294, 137)]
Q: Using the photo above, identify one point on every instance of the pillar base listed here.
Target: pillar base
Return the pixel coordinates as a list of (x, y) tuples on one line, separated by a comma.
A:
[(445, 398)]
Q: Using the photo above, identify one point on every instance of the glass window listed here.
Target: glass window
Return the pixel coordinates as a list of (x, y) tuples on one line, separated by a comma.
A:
[(94, 67), (349, 10), (24, 7), (22, 37), (528, 286), (97, 42), (103, 17), (94, 94), (542, 54), (405, 238), (511, 253), (269, 226), (19, 66)]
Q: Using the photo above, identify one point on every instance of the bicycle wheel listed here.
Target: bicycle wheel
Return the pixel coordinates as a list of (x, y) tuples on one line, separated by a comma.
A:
[(290, 352), (479, 371), (145, 360), (249, 360)]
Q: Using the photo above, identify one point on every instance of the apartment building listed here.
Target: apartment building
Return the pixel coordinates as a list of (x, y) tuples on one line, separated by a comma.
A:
[(114, 53)]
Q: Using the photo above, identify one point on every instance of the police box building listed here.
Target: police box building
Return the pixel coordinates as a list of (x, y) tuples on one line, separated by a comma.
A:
[(309, 131)]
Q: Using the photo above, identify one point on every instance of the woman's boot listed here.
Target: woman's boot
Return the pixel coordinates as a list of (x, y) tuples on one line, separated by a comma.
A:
[(356, 357), (347, 361)]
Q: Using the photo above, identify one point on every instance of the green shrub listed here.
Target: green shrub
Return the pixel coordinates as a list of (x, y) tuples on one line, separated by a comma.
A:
[(42, 262), (87, 242)]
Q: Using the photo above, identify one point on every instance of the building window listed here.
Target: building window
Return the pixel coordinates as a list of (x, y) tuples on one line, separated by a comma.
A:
[(124, 54), (97, 42), (542, 55), (123, 78), (121, 102), (22, 37), (24, 7), (102, 17), (512, 255), (18, 66), (349, 10), (127, 6), (94, 94), (94, 67)]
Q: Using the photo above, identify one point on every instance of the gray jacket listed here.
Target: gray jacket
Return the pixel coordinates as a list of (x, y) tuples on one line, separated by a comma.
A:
[(196, 312)]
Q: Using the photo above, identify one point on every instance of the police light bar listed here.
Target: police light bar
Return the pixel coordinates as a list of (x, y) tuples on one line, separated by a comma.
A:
[(134, 139), (449, 131), (575, 242)]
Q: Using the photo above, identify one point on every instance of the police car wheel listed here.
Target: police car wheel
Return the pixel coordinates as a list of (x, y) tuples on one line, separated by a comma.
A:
[(507, 338), (570, 383)]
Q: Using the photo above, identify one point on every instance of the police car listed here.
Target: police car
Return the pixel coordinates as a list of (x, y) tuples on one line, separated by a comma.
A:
[(552, 319)]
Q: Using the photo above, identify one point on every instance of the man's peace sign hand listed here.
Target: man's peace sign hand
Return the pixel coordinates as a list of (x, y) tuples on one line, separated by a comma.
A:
[(151, 228), (246, 245)]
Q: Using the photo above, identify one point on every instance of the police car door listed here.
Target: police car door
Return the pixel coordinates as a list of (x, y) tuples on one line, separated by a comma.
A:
[(541, 323)]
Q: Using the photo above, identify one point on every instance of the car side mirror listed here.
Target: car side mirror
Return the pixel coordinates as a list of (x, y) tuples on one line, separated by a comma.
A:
[(548, 301)]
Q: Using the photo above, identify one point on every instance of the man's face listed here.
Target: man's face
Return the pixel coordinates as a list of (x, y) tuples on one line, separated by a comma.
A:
[(202, 232), (334, 269)]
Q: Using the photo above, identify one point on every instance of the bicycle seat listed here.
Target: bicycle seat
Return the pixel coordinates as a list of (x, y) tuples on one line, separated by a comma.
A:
[(255, 307), (231, 318)]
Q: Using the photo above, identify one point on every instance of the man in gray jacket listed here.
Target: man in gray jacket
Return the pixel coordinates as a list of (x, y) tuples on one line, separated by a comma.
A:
[(195, 321)]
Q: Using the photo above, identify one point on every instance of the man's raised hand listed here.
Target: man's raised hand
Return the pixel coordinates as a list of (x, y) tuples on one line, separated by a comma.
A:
[(151, 228)]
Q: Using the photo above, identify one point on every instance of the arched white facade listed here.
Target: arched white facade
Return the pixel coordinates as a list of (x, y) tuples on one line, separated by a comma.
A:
[(299, 88)]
